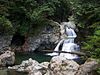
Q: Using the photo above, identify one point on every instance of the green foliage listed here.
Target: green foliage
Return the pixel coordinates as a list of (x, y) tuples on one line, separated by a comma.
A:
[(5, 25), (25, 15), (86, 12), (93, 43), (98, 70), (87, 17)]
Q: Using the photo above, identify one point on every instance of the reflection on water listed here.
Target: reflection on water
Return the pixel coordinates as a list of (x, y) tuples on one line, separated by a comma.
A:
[(12, 72), (5, 71), (24, 56)]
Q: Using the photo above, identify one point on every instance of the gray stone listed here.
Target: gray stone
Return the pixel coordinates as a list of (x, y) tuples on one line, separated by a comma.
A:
[(57, 66), (48, 35), (61, 66), (5, 41), (7, 58), (88, 67)]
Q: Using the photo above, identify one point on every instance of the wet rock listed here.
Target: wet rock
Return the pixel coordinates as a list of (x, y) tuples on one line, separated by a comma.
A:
[(7, 58)]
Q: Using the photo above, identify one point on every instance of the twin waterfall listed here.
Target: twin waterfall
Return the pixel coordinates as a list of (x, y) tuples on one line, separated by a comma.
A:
[(67, 39)]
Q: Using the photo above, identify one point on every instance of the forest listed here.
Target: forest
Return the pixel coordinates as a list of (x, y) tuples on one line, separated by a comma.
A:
[(25, 16)]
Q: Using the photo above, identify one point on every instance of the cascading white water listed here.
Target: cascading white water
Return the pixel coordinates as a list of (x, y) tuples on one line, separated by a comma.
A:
[(56, 49), (68, 43)]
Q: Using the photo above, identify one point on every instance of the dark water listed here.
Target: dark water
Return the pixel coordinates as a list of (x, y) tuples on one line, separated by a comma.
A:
[(40, 57)]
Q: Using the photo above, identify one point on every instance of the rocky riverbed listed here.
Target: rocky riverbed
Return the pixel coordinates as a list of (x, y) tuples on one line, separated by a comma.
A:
[(57, 66)]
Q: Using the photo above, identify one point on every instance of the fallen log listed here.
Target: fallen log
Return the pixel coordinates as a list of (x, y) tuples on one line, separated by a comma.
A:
[(73, 52)]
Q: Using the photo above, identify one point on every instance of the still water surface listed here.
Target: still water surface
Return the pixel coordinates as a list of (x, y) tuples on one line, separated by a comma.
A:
[(24, 56)]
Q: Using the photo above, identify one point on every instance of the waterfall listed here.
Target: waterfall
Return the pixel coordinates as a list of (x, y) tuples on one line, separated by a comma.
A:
[(56, 49), (68, 43)]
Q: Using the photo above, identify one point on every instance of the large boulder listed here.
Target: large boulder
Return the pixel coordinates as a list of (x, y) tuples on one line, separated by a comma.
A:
[(57, 66), (62, 66), (7, 58)]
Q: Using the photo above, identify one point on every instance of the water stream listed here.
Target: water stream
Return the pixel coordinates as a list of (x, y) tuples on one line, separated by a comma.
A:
[(68, 43)]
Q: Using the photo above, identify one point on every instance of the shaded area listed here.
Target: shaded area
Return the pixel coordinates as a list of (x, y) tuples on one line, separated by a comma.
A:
[(17, 39)]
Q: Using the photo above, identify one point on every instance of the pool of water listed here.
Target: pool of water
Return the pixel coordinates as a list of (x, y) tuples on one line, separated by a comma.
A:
[(40, 57)]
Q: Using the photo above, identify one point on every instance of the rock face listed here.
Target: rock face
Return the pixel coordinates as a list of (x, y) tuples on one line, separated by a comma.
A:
[(47, 38), (57, 66), (7, 58), (5, 41)]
